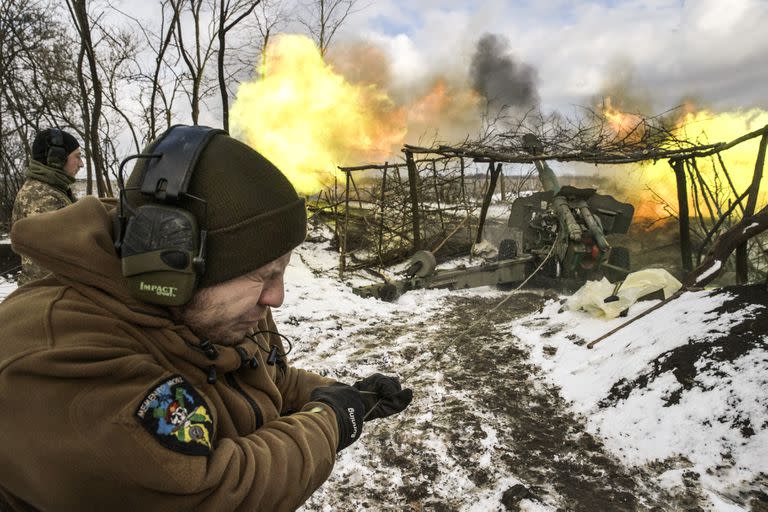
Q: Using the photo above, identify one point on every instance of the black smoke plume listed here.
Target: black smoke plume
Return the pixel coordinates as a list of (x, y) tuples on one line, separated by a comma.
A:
[(499, 77)]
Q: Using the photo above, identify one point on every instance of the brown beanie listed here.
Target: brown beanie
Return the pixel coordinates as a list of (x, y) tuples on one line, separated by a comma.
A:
[(253, 215)]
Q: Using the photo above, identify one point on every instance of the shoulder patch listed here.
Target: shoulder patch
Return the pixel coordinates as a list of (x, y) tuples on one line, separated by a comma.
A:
[(177, 416)]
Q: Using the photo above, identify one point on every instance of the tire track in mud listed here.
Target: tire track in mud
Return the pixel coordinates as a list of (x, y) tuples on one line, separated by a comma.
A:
[(544, 444), (482, 425)]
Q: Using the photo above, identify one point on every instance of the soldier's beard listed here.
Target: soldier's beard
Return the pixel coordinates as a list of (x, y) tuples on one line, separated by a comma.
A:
[(212, 320)]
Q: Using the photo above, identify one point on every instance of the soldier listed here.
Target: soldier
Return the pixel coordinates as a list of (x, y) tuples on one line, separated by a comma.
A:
[(55, 161), (147, 373)]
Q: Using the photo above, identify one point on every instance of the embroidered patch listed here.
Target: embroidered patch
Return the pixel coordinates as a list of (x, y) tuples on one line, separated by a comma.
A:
[(178, 417)]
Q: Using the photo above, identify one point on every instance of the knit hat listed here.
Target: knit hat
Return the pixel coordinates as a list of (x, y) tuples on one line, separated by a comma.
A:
[(252, 212), (43, 142)]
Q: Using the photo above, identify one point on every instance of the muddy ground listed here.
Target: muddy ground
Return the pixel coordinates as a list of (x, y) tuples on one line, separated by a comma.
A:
[(483, 424)]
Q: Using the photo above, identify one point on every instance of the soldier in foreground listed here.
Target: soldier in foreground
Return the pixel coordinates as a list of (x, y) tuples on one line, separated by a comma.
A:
[(147, 373), (55, 161)]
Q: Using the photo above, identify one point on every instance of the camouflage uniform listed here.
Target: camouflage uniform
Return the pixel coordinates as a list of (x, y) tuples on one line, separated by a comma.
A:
[(36, 197)]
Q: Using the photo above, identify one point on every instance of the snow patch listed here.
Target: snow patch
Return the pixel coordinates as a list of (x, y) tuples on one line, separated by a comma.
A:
[(751, 226), (719, 418), (716, 265)]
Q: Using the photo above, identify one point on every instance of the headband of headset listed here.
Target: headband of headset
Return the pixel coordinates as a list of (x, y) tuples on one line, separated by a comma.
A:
[(168, 177)]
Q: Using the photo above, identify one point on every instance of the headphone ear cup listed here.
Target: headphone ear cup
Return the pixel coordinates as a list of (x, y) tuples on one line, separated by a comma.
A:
[(158, 255), (57, 153)]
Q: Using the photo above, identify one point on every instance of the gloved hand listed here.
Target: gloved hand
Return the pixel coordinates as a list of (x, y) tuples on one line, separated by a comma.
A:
[(383, 396), (349, 408)]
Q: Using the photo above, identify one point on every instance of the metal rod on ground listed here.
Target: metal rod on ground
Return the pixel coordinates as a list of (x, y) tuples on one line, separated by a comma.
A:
[(638, 317), (466, 331)]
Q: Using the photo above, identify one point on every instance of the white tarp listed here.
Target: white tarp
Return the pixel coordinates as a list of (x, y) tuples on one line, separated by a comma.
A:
[(591, 297)]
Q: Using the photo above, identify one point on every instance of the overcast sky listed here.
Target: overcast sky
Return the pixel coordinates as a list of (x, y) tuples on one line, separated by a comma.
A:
[(713, 51), (657, 52)]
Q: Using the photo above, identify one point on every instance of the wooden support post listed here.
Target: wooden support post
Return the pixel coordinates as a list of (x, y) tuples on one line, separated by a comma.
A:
[(741, 251), (413, 177), (381, 219), (502, 187), (334, 202), (683, 216), (437, 197), (343, 255), (494, 176), (464, 202)]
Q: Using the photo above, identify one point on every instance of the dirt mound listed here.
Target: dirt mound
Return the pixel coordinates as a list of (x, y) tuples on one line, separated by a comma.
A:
[(701, 355)]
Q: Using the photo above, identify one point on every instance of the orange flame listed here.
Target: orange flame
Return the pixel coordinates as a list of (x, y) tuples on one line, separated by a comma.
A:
[(307, 118), (652, 185), (628, 127)]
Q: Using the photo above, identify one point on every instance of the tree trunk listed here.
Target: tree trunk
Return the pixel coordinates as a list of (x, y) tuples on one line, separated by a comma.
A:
[(80, 14), (413, 177), (742, 273), (686, 252), (494, 176)]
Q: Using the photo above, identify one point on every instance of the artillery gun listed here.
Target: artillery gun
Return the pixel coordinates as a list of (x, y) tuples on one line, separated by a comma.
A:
[(561, 231)]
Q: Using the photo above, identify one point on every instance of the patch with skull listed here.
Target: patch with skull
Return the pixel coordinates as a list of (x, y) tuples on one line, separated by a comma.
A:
[(177, 416)]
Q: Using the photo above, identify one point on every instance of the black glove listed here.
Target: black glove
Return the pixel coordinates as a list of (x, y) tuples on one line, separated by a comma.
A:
[(383, 396), (349, 408)]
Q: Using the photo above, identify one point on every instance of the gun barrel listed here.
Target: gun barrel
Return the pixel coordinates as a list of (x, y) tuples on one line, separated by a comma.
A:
[(568, 221), (547, 177), (594, 226)]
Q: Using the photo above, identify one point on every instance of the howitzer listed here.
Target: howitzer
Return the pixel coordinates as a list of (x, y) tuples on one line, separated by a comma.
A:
[(574, 220), (561, 230)]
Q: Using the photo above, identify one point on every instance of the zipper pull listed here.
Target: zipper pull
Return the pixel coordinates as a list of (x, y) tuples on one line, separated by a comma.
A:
[(244, 359), (209, 349), (272, 357), (212, 375)]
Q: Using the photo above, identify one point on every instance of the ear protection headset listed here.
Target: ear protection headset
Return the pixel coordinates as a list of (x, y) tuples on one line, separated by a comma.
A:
[(162, 250), (56, 155)]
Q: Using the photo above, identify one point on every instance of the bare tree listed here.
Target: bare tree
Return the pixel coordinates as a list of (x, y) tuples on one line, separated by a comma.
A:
[(157, 103), (230, 15), (322, 18), (91, 91), (197, 53), (268, 20), (38, 87)]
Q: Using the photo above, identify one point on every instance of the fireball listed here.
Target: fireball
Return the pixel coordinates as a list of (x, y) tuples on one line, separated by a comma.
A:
[(307, 119), (653, 184)]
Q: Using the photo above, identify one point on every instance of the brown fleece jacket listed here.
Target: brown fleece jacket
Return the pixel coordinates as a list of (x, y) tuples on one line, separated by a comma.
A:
[(105, 400)]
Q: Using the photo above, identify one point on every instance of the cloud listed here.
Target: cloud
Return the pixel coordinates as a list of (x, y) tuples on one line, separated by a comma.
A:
[(708, 49)]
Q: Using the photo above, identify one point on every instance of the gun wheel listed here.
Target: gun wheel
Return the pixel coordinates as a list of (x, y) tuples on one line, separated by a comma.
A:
[(421, 264)]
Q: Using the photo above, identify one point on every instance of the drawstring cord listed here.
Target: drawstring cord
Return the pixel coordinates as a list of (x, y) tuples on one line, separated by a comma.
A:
[(272, 353), (212, 353)]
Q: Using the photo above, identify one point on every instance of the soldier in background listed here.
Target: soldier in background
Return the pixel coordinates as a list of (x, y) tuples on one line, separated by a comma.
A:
[(55, 161)]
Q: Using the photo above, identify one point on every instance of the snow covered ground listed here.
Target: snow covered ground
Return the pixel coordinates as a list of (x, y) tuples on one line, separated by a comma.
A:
[(673, 408), (685, 386), (7, 285), (512, 411)]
